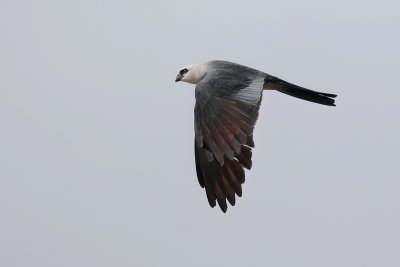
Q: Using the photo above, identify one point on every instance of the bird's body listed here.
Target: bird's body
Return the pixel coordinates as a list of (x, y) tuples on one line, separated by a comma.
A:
[(228, 97)]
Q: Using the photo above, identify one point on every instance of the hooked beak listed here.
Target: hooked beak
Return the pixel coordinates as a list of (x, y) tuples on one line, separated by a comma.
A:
[(178, 78)]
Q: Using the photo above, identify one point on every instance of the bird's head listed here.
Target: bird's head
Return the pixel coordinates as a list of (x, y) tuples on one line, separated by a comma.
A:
[(192, 73)]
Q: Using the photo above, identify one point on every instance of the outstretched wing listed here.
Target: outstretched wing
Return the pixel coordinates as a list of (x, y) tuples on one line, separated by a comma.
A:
[(227, 104)]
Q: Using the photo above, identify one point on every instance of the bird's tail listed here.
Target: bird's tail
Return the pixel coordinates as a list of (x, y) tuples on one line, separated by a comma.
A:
[(282, 86)]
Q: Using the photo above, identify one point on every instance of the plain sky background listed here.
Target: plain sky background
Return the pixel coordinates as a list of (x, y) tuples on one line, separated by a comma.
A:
[(96, 139)]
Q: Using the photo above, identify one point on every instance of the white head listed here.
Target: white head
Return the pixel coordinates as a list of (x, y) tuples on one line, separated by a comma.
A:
[(192, 73)]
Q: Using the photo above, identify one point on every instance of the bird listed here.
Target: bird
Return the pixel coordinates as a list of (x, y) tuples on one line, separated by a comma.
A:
[(228, 97)]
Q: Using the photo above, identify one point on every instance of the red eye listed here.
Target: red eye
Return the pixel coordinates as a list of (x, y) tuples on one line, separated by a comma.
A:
[(183, 71)]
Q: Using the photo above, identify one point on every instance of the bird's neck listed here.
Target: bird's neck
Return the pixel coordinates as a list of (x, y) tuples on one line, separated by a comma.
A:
[(198, 72)]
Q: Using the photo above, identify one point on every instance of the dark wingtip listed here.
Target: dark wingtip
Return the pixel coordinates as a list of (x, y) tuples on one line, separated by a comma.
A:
[(212, 204), (223, 206), (232, 201)]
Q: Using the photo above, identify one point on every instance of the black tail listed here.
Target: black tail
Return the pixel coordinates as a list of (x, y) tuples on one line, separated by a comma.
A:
[(282, 86)]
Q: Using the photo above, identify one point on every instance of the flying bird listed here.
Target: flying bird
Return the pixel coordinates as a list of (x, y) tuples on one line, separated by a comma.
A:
[(228, 97)]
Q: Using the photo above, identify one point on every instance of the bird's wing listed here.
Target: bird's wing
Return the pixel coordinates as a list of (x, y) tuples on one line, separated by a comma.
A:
[(227, 104)]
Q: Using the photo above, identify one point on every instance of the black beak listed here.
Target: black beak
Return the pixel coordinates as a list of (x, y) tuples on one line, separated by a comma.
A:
[(178, 78)]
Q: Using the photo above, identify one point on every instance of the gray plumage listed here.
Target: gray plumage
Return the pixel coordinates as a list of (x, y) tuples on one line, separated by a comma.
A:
[(228, 97)]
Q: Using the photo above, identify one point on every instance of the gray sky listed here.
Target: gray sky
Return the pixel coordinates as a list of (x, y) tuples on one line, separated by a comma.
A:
[(96, 138)]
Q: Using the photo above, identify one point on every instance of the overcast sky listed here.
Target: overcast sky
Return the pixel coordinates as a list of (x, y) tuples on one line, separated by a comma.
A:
[(96, 139)]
